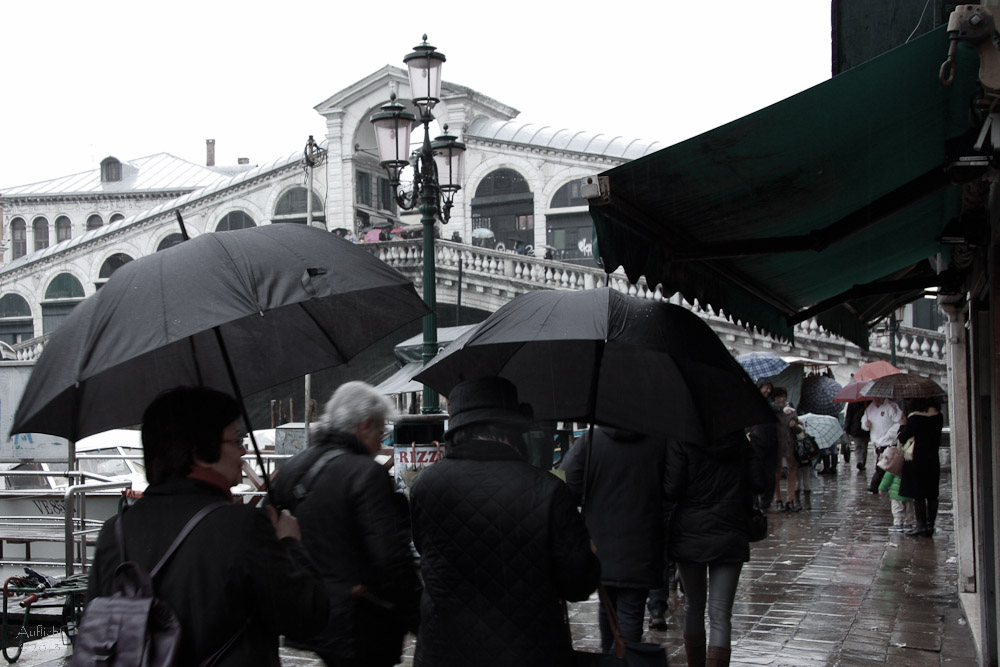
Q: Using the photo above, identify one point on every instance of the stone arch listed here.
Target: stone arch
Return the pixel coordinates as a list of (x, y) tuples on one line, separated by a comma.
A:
[(98, 260), (280, 198), (508, 228)]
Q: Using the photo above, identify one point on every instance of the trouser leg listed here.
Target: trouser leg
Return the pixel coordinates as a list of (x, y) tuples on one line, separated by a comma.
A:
[(694, 577), (631, 612), (723, 579), (920, 511), (932, 510), (898, 512)]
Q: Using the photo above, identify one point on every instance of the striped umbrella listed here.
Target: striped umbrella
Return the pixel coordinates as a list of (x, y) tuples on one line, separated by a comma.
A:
[(761, 364), (903, 385), (826, 430)]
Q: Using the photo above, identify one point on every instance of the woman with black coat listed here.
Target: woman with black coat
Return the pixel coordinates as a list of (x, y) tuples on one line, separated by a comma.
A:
[(711, 487), (921, 479)]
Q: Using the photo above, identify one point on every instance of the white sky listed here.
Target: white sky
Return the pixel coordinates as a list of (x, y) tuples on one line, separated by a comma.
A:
[(84, 80)]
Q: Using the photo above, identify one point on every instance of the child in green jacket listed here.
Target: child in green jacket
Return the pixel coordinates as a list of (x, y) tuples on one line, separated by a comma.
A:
[(902, 507)]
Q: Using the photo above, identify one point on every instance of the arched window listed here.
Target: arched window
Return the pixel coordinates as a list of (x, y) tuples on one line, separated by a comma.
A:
[(111, 170), (64, 229), (64, 286), (568, 195), (64, 292), (169, 242), (40, 230), (115, 217), (112, 264), (291, 207), (504, 205), (235, 220), (18, 237), (15, 319), (94, 221), (570, 233)]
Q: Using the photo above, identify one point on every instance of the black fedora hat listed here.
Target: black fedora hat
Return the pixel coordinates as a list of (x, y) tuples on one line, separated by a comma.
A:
[(487, 400)]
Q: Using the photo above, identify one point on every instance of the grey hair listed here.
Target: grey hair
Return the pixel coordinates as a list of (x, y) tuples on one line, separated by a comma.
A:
[(351, 405)]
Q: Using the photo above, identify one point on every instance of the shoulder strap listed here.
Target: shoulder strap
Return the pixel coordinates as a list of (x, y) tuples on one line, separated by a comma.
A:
[(188, 527), (301, 489)]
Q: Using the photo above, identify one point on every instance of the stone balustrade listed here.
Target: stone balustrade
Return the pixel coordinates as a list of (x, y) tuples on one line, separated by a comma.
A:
[(495, 277)]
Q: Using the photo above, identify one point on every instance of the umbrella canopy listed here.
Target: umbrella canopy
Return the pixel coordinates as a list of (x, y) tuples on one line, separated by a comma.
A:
[(826, 430), (873, 370), (371, 236), (851, 393), (604, 357), (761, 364), (482, 233), (903, 385), (285, 300), (818, 392)]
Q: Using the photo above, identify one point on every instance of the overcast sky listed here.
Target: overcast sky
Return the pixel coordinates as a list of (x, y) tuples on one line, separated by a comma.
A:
[(84, 80)]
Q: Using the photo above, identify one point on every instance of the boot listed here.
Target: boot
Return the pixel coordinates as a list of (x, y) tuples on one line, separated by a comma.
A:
[(807, 503), (920, 530), (694, 649), (718, 656)]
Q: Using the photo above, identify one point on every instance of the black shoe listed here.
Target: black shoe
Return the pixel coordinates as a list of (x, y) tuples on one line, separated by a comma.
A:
[(919, 531), (861, 466), (779, 506), (657, 622)]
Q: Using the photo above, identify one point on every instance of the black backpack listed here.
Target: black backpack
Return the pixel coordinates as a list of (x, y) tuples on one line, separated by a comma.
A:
[(132, 626)]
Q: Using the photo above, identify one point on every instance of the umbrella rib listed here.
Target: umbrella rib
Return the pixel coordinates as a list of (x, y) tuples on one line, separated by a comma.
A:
[(326, 334)]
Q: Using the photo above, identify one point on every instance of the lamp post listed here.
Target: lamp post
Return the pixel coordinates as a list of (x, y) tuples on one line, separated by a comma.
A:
[(437, 169)]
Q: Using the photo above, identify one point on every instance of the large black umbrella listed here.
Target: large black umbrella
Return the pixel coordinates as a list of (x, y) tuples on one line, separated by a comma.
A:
[(279, 300), (602, 356)]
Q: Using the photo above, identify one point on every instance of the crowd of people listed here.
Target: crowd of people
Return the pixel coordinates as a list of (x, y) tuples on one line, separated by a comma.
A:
[(481, 559)]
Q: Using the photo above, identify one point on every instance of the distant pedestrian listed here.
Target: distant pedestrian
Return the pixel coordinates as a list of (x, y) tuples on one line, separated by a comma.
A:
[(241, 575), (501, 542), (712, 488), (922, 471), (788, 428), (356, 528), (764, 441), (624, 512), (859, 436), (891, 462), (881, 420)]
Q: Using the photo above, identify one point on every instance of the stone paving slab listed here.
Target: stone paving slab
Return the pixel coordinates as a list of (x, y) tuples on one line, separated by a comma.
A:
[(829, 587)]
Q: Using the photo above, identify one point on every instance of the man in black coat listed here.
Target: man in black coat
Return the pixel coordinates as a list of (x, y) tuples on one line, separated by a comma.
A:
[(356, 528), (624, 512), (501, 542), (238, 575)]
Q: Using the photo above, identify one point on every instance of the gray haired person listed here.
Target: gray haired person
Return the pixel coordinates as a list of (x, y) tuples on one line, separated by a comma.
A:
[(355, 527)]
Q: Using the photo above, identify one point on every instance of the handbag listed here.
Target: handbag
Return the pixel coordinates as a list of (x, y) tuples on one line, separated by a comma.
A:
[(756, 524), (908, 449), (625, 653), (806, 449)]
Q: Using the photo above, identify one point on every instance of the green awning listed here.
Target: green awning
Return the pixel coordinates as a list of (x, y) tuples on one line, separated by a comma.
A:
[(826, 204)]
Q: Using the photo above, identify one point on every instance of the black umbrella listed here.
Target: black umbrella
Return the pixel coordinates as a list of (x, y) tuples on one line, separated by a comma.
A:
[(601, 356), (272, 303)]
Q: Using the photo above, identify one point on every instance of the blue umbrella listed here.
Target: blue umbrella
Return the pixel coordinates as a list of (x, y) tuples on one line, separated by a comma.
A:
[(818, 392), (761, 364)]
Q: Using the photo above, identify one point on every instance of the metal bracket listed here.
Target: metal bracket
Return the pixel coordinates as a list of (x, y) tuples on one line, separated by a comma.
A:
[(596, 190), (974, 25)]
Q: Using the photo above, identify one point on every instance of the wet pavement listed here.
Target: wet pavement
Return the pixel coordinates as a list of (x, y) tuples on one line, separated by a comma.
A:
[(827, 587)]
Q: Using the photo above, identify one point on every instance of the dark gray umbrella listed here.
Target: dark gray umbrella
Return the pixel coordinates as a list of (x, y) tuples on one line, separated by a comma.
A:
[(602, 356), (818, 392), (284, 300)]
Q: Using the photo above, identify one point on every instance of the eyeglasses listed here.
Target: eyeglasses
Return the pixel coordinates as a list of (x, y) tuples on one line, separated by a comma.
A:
[(237, 442)]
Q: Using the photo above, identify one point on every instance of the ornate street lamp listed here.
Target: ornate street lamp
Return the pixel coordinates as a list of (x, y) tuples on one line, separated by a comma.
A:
[(437, 170)]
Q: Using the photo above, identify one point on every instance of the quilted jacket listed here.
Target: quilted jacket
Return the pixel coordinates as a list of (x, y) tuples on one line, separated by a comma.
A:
[(501, 545), (356, 529)]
